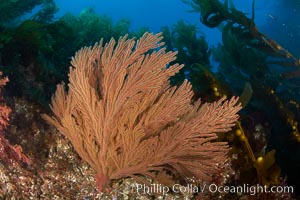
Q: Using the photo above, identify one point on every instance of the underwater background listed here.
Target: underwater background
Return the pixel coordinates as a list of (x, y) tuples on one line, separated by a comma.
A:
[(229, 48)]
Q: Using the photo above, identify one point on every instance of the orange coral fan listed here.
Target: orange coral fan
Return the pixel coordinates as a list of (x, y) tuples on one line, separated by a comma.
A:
[(125, 120), (8, 153), (4, 110)]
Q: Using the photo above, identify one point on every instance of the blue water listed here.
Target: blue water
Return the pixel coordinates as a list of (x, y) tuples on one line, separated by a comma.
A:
[(157, 13)]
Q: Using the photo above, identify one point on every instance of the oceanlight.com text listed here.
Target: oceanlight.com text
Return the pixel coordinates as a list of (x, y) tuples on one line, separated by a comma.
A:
[(151, 189)]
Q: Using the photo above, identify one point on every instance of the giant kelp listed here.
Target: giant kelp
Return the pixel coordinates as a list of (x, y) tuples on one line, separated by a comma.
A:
[(34, 53), (214, 12), (193, 51), (24, 60), (13, 9), (248, 56)]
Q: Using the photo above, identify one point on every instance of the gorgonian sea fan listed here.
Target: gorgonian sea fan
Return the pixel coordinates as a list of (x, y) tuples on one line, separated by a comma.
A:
[(124, 119)]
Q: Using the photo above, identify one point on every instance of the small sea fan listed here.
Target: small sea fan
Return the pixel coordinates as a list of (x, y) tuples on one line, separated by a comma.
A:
[(4, 110), (8, 153)]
